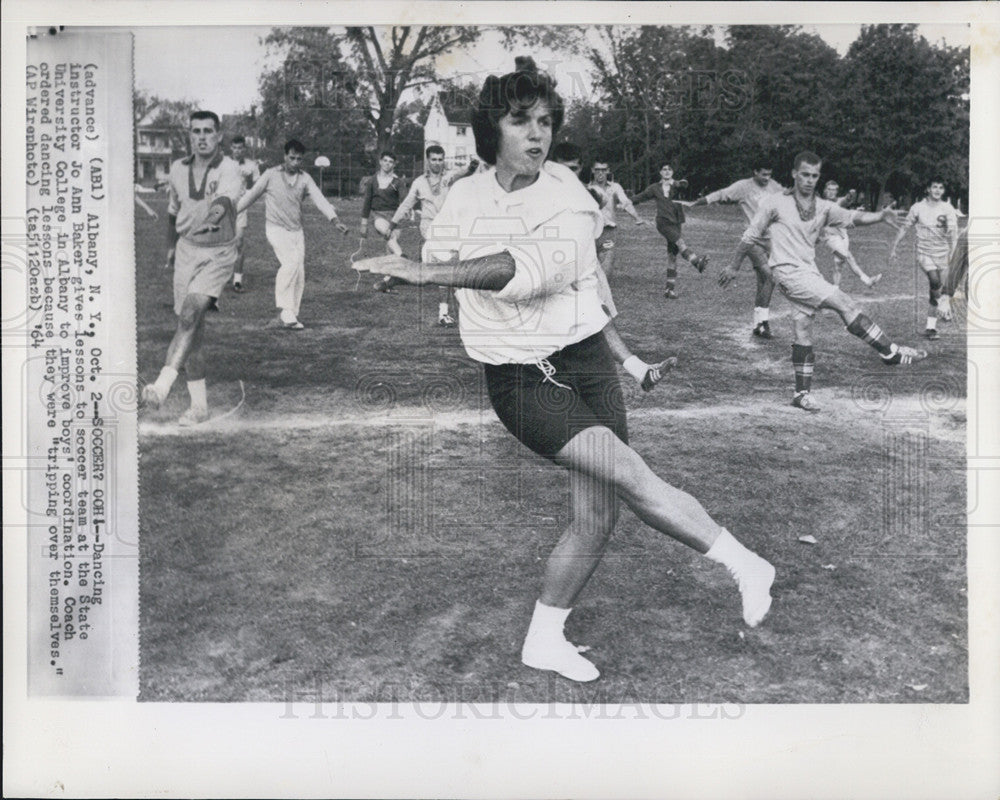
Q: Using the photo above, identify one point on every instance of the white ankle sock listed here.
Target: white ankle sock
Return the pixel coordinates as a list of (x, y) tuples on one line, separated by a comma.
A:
[(729, 552), (442, 309), (237, 277), (199, 394), (931, 323), (636, 367), (164, 381), (548, 621)]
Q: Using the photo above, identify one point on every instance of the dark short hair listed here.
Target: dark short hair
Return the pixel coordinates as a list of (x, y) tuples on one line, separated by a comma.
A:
[(760, 163), (936, 179), (806, 157), (434, 149), (239, 140), (519, 89), (196, 115), (388, 153), (567, 151), (296, 146), (829, 183)]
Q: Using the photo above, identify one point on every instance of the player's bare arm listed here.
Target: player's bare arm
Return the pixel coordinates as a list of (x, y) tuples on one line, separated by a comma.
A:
[(488, 273)]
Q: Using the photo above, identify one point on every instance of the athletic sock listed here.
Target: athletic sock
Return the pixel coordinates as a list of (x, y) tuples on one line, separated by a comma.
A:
[(199, 394), (869, 332), (442, 309), (636, 367), (547, 622), (932, 323), (671, 277), (164, 381), (753, 574), (237, 277), (689, 254), (803, 359), (764, 313)]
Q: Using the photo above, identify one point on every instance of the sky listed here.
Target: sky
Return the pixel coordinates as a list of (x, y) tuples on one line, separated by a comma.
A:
[(173, 63)]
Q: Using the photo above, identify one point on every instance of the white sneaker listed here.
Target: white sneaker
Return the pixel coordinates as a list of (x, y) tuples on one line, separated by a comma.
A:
[(558, 656), (755, 582), (193, 416)]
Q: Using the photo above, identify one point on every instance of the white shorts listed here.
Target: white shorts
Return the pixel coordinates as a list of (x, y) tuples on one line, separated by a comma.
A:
[(201, 270), (929, 263), (804, 287), (836, 239)]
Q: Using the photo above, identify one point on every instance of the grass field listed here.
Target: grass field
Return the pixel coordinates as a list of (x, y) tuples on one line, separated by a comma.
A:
[(363, 528)]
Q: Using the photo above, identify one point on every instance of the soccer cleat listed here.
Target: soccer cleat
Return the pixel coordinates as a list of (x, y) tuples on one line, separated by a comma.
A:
[(763, 330), (699, 262), (446, 321), (193, 416), (382, 286), (294, 325), (932, 334), (670, 294), (150, 398), (755, 581), (238, 287), (655, 373), (903, 355), (558, 656), (805, 401)]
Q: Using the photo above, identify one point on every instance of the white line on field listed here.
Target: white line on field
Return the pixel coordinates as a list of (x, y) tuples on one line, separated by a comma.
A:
[(909, 410)]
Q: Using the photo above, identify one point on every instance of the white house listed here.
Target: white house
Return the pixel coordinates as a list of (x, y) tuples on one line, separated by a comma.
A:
[(449, 124), (154, 148)]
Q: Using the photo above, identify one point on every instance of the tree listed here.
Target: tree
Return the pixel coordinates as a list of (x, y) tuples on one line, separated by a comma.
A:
[(908, 110), (171, 115)]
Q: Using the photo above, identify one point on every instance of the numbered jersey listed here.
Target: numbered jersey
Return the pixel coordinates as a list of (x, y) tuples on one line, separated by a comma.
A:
[(936, 226)]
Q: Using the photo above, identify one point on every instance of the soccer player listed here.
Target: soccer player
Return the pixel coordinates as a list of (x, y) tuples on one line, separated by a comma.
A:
[(669, 218), (835, 237), (796, 220), (429, 190), (250, 172), (285, 188), (646, 375), (748, 192), (535, 326), (610, 197), (384, 191), (937, 236), (201, 239)]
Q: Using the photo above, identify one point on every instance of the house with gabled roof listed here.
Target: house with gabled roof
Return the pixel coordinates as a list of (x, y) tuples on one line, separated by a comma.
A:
[(449, 124)]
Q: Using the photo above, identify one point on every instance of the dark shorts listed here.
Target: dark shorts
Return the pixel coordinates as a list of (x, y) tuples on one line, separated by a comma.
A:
[(543, 416), (671, 231)]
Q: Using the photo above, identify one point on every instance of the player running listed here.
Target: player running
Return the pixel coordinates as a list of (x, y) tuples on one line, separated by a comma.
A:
[(384, 191), (646, 375), (429, 190), (285, 188), (250, 172), (835, 237), (796, 220), (610, 197), (937, 237), (201, 238), (748, 192), (669, 219)]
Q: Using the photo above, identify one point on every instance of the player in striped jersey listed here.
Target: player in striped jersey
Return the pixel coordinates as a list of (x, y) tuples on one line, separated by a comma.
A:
[(936, 223), (796, 220), (748, 193)]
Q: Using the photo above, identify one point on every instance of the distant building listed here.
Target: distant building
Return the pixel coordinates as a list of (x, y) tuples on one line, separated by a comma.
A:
[(449, 124), (155, 135)]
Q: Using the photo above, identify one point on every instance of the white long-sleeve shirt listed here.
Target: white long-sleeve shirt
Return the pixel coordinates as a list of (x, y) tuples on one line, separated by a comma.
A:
[(284, 196), (549, 229)]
